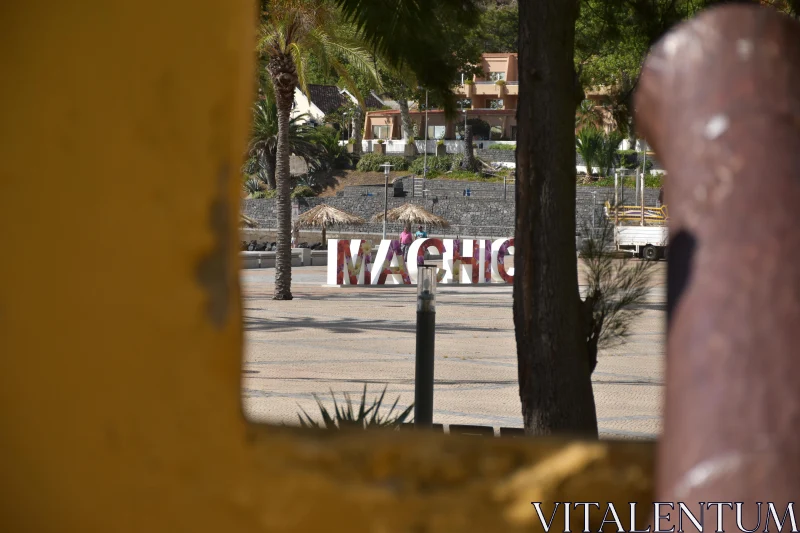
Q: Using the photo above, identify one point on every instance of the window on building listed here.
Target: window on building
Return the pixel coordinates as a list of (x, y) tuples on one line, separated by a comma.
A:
[(495, 76), (380, 132), (495, 104), (436, 132)]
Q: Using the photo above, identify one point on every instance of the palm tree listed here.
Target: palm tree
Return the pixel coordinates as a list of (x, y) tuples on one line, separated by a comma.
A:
[(588, 115), (263, 148), (589, 143), (291, 32), (607, 155)]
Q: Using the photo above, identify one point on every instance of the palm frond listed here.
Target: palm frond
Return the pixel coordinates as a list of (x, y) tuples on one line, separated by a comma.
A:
[(352, 52), (411, 32), (299, 57)]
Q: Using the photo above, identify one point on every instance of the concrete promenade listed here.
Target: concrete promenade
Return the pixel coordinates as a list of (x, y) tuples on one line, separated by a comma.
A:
[(340, 338)]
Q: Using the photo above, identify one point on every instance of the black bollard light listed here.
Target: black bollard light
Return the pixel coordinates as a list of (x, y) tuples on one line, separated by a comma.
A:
[(426, 331)]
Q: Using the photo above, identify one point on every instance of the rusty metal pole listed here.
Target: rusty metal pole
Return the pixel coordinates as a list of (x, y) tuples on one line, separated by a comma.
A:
[(641, 182), (616, 198), (720, 105)]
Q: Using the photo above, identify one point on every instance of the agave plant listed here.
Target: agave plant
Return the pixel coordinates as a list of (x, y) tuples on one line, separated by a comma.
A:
[(364, 417), (252, 186)]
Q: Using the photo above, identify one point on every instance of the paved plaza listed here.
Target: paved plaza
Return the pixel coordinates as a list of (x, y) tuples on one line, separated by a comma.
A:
[(341, 338)]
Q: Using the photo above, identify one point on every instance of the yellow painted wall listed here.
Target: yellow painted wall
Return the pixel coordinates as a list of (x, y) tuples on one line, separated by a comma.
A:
[(122, 131)]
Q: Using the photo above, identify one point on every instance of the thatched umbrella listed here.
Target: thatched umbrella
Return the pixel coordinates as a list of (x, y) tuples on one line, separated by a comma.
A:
[(413, 214), (324, 215), (246, 221)]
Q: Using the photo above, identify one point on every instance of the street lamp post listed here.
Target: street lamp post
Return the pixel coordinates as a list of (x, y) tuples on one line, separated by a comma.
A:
[(425, 155), (426, 332), (464, 109), (644, 169), (616, 198), (386, 166)]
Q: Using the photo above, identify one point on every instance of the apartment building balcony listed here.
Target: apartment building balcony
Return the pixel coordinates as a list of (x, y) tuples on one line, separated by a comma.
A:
[(488, 88)]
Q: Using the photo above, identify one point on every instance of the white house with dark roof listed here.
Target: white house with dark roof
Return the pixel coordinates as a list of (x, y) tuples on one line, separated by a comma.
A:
[(326, 99)]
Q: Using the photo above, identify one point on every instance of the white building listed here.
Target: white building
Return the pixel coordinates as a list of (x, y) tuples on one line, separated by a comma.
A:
[(325, 99)]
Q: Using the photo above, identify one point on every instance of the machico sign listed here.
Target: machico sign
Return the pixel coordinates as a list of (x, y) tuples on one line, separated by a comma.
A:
[(466, 261)]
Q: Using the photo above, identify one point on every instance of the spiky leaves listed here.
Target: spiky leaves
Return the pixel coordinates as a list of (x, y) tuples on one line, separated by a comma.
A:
[(364, 417)]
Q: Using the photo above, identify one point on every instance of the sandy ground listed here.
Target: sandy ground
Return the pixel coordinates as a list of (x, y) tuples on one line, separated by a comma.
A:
[(341, 338)]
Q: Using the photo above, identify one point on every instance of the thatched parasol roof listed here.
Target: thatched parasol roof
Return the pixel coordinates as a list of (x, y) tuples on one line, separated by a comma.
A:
[(324, 215), (413, 214), (246, 221)]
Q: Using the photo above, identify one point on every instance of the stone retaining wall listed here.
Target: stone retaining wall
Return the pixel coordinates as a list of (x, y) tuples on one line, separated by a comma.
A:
[(468, 217), (497, 156), (443, 188)]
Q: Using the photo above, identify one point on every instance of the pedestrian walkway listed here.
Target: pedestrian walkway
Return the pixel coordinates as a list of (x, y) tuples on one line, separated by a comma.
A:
[(340, 338)]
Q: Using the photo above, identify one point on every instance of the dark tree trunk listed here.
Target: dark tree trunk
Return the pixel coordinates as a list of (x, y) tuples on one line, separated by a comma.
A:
[(405, 118), (270, 163), (553, 360), (284, 79), (631, 133), (469, 153), (358, 119)]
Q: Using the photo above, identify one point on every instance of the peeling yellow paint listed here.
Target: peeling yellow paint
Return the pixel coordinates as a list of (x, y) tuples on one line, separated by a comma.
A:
[(121, 132)]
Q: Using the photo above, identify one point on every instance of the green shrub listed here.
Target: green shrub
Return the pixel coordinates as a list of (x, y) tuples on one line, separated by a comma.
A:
[(654, 181), (264, 194), (503, 147), (629, 159), (469, 81), (466, 175), (437, 164), (303, 191), (480, 128), (373, 162)]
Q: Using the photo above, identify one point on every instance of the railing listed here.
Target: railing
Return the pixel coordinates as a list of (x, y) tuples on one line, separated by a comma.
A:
[(464, 231), (478, 431), (398, 146), (634, 212), (490, 82)]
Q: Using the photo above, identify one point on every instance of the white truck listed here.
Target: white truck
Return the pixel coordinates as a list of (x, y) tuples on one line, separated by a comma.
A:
[(640, 230), (647, 242)]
